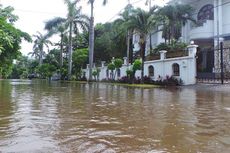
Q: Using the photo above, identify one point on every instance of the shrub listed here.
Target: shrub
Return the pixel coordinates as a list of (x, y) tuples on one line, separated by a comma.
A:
[(124, 79)]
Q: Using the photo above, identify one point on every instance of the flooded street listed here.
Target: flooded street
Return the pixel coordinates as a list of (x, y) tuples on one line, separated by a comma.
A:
[(58, 117)]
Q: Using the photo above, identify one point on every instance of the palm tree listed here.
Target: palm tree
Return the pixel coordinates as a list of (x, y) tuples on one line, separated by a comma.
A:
[(55, 26), (40, 42), (142, 22), (91, 37), (124, 17), (73, 21), (174, 17)]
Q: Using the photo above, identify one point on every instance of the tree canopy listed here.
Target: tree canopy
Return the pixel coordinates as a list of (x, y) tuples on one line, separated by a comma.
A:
[(10, 40)]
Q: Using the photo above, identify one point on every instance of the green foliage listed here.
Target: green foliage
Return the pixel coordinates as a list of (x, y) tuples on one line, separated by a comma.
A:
[(129, 72), (173, 17), (7, 14), (118, 63), (80, 57), (46, 70), (110, 41), (21, 68), (111, 66), (173, 46), (137, 65), (161, 46), (10, 39)]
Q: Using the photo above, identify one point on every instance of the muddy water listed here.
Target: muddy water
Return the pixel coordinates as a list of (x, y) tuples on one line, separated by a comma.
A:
[(100, 118)]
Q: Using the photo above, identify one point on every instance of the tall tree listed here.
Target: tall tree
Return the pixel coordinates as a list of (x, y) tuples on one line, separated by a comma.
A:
[(74, 20), (40, 42), (121, 22), (173, 17), (142, 22), (55, 26), (91, 37), (10, 40)]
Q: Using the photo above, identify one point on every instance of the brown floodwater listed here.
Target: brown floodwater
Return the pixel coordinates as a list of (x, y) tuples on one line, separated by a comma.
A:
[(58, 117)]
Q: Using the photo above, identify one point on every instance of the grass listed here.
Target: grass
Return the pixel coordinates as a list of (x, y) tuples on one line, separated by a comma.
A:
[(134, 85), (121, 84)]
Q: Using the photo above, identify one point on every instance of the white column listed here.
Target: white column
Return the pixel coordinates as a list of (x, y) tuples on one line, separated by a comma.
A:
[(215, 23), (218, 21), (220, 17), (192, 49), (163, 54)]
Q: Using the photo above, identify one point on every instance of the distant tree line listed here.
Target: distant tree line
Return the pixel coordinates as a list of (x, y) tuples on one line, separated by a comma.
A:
[(70, 54)]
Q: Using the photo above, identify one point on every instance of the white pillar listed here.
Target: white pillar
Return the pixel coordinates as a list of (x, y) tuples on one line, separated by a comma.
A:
[(192, 49), (218, 21), (220, 17), (125, 60), (102, 64), (163, 54)]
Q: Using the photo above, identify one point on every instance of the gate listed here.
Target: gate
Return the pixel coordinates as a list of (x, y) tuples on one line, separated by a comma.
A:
[(213, 65)]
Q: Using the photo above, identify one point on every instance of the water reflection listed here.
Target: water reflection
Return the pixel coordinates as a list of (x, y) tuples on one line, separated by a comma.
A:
[(71, 117)]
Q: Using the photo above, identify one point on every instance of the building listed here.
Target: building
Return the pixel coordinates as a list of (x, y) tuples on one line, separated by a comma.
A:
[(213, 26)]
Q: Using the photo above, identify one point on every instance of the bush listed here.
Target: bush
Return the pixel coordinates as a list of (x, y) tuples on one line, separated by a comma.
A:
[(124, 79), (174, 46)]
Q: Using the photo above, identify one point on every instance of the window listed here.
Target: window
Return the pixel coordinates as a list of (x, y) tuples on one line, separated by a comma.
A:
[(206, 13), (151, 71), (176, 69)]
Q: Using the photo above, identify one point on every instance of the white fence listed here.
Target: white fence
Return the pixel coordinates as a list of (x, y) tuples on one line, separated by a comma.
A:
[(183, 68)]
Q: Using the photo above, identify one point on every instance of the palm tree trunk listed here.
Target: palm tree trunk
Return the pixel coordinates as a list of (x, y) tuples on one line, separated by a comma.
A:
[(143, 60), (150, 42), (91, 41), (61, 52), (40, 56), (70, 51), (128, 46)]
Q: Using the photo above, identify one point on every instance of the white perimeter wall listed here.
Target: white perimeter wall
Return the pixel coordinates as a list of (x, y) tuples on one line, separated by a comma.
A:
[(162, 68)]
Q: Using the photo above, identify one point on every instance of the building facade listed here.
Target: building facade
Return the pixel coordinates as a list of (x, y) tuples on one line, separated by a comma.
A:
[(213, 26)]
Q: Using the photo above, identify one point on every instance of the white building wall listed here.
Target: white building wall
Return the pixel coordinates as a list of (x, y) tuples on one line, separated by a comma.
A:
[(226, 17), (162, 67)]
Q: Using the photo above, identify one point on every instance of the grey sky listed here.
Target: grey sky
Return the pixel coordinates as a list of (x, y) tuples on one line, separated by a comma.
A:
[(33, 13)]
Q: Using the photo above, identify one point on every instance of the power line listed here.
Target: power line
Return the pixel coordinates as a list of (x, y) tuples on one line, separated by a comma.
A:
[(122, 10)]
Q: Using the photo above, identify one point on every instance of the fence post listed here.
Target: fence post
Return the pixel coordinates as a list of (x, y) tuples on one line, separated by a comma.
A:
[(221, 62)]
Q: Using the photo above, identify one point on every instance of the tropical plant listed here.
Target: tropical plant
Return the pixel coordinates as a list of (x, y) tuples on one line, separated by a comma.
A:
[(79, 60), (172, 18), (142, 22), (111, 67), (40, 42), (7, 14), (96, 73), (54, 26), (74, 20), (121, 23), (91, 37), (137, 65), (118, 64), (10, 39), (46, 70)]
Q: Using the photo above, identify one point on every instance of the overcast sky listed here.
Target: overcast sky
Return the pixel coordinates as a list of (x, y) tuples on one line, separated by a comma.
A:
[(34, 13)]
